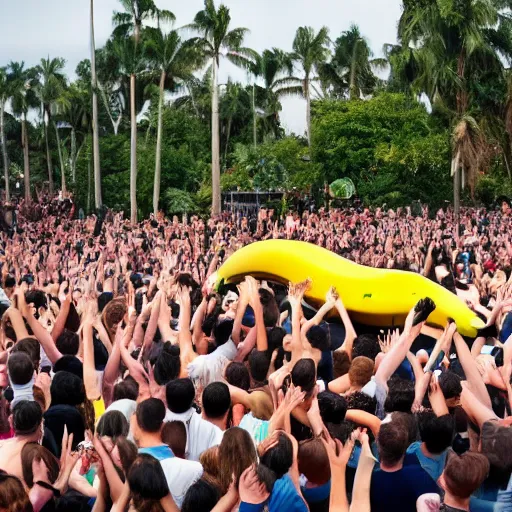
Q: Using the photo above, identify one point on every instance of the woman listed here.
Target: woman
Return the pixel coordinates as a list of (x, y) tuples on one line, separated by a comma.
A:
[(13, 497), (236, 454)]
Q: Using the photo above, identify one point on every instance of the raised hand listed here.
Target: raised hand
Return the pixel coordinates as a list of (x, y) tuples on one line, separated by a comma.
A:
[(251, 489)]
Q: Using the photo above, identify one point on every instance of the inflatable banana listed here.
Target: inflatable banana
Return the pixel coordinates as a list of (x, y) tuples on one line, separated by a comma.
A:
[(372, 296)]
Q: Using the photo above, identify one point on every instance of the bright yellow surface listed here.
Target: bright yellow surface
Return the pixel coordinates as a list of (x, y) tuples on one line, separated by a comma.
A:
[(372, 296)]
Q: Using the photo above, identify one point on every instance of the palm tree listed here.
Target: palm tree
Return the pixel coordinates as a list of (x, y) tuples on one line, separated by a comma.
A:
[(95, 135), (4, 96), (131, 63), (51, 83), (352, 65), (174, 60), (217, 39), (310, 51), (22, 100), (275, 68), (136, 12), (455, 41)]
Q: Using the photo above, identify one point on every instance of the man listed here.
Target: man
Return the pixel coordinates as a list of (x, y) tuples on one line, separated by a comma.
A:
[(216, 404), (146, 427), (395, 486), (201, 434), (27, 421)]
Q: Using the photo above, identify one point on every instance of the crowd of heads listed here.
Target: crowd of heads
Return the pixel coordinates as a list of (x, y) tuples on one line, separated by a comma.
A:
[(129, 382)]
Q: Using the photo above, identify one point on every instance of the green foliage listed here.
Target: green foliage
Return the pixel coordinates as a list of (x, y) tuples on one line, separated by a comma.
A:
[(386, 145), (178, 201)]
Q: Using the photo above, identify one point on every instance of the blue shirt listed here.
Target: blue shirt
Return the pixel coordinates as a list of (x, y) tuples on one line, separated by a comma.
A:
[(161, 452), (433, 465)]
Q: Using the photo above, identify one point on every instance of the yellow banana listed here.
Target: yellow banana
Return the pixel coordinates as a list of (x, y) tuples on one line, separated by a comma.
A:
[(372, 296)]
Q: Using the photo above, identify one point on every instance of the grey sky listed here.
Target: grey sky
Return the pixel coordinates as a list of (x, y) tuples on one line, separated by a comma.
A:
[(32, 29)]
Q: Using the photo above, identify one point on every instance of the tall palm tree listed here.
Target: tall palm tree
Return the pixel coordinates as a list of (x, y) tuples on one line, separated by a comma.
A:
[(274, 67), (352, 65), (310, 51), (216, 40), (95, 135), (4, 96), (22, 100), (455, 40), (173, 60), (51, 83), (136, 12), (131, 63)]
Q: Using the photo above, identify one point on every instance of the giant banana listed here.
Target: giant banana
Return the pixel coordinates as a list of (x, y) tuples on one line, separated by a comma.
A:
[(372, 296)]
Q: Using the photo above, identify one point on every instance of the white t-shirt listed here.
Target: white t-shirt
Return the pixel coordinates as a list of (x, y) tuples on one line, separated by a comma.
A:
[(180, 474), (210, 368), (201, 434)]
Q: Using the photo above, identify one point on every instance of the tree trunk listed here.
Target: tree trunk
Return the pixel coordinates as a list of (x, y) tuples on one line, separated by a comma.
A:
[(48, 154), (308, 109), (89, 173), (216, 194), (133, 153), (158, 159), (228, 136), (254, 115), (73, 155), (95, 136), (26, 161), (61, 161), (456, 191), (353, 69), (4, 152)]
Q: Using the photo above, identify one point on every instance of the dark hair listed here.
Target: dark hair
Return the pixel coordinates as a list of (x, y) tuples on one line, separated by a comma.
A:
[(270, 308), (69, 364), (67, 389), (361, 401), (259, 363), (113, 424), (341, 431), (35, 451), (222, 331), (216, 400), (318, 338), (436, 432), (238, 375), (174, 435), (26, 417), (68, 343), (304, 374), (314, 461), (279, 459), (450, 385), (275, 338), (21, 368), (401, 395), (10, 281), (168, 365), (200, 496), (31, 347), (126, 389), (103, 300), (147, 482), (180, 394), (37, 298), (333, 407), (127, 453), (392, 440), (496, 442), (150, 415), (341, 363), (366, 345)]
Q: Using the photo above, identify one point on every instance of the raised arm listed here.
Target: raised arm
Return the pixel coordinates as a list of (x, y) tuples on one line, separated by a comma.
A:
[(111, 372), (243, 302), (295, 295), (60, 321), (92, 389), (350, 332), (470, 368), (255, 302)]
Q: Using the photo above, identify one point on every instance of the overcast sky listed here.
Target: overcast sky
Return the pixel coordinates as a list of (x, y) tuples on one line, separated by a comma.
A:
[(31, 29)]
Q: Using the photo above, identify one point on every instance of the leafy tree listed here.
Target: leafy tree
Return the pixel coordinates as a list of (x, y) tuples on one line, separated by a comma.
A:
[(217, 38), (388, 146)]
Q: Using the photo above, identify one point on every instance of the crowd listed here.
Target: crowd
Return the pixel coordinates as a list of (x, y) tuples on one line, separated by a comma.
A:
[(129, 383)]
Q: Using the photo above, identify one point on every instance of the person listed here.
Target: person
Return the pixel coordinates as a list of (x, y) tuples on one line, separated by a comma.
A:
[(395, 486), (146, 425), (201, 434)]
